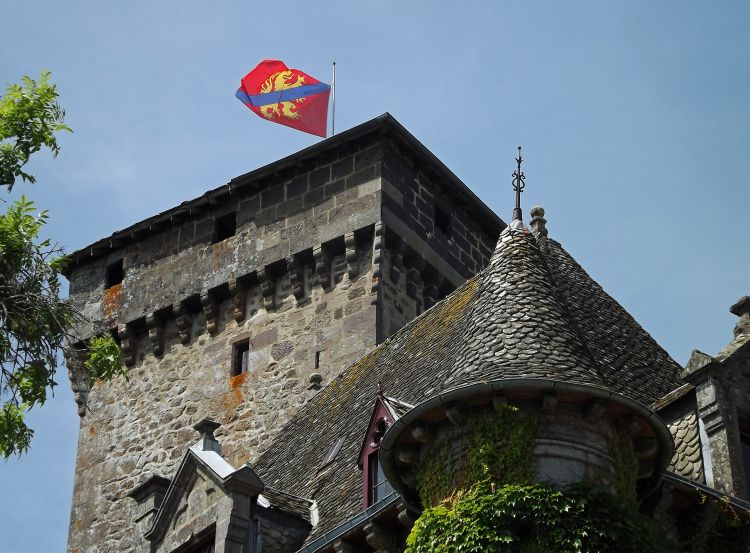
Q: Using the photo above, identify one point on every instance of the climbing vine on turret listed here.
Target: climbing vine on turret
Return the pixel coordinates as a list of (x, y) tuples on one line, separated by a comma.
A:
[(501, 449), (484, 499)]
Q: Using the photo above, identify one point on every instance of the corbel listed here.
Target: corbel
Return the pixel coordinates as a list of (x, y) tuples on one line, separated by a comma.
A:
[(423, 433), (155, 333), (75, 358), (455, 415), (352, 256), (377, 257), (343, 546), (238, 300), (127, 344), (322, 266), (183, 321), (594, 411), (296, 278), (406, 517), (549, 403), (379, 536), (211, 311), (408, 454), (266, 287)]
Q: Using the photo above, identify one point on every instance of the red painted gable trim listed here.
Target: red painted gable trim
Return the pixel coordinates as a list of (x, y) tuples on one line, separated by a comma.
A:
[(371, 444)]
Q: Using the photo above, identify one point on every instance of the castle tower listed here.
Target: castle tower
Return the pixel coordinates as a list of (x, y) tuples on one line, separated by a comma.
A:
[(239, 305)]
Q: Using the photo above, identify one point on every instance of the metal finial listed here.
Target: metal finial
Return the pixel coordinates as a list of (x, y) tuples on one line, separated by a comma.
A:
[(519, 183)]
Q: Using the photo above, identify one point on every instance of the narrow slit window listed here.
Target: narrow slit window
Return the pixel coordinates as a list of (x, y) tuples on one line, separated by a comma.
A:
[(114, 275), (241, 357), (744, 421), (317, 359), (226, 226), (443, 221)]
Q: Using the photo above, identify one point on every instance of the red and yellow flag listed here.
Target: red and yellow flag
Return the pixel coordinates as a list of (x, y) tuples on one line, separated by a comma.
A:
[(286, 96)]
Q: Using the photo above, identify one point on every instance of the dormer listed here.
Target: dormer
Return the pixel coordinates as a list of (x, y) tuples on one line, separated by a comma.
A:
[(386, 411)]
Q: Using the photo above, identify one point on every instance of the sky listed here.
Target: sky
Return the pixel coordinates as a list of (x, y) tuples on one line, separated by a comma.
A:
[(633, 117)]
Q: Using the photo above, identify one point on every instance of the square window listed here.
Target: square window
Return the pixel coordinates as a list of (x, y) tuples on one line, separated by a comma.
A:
[(226, 226), (240, 357), (114, 274)]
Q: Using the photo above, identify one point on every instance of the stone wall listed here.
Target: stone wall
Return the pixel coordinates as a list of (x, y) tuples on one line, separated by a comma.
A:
[(301, 209), (142, 426), (433, 219)]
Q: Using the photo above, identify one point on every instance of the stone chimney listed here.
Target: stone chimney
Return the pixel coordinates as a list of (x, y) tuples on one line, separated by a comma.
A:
[(207, 441), (742, 309)]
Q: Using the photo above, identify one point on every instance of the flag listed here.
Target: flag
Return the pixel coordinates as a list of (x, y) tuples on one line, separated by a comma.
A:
[(286, 96)]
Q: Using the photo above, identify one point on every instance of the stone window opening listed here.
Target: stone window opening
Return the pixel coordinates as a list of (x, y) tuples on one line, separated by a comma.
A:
[(317, 359), (226, 226), (443, 221), (114, 274), (744, 427), (240, 357)]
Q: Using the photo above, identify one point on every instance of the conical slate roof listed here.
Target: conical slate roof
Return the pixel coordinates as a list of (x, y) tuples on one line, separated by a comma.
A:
[(532, 313), (519, 327)]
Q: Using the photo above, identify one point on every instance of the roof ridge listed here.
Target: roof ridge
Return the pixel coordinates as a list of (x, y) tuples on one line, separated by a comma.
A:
[(542, 240)]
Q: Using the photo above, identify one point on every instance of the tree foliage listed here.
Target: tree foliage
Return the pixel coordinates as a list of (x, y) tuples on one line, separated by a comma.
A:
[(29, 118), (35, 322)]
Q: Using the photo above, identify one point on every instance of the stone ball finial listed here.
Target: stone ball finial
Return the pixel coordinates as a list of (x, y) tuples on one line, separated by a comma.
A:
[(537, 211), (538, 222)]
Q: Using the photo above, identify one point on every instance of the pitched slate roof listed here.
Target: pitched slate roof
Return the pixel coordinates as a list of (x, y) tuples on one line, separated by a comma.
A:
[(533, 312)]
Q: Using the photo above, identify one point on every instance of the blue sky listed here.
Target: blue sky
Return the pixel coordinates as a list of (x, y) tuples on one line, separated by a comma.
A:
[(633, 117)]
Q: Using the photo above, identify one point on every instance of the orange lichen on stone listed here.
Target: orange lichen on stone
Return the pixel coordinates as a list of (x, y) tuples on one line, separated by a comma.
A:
[(237, 381), (112, 300), (92, 430), (234, 397)]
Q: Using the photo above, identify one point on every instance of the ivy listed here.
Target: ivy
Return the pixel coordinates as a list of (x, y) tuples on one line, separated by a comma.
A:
[(501, 449), (104, 359), (479, 495), (534, 518), (624, 469)]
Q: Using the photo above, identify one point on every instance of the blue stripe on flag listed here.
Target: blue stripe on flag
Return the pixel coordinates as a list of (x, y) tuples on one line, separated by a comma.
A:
[(286, 95), (242, 96)]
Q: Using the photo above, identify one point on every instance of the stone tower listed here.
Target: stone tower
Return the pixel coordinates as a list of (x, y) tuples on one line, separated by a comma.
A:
[(238, 306)]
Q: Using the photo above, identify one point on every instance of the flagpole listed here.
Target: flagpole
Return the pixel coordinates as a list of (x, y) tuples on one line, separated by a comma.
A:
[(333, 109)]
